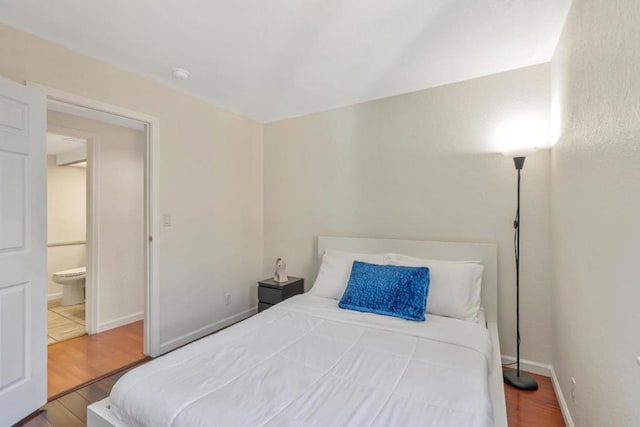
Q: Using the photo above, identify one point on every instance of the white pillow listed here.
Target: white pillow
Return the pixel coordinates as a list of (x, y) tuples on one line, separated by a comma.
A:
[(335, 271), (454, 286)]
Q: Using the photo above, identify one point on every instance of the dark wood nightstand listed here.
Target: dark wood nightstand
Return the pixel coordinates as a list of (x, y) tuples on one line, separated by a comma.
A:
[(271, 292)]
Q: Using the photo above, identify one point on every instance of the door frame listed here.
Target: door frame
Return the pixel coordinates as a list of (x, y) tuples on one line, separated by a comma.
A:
[(151, 179), (92, 221)]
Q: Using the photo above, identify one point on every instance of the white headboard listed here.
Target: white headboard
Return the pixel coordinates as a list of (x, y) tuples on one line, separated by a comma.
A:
[(486, 253)]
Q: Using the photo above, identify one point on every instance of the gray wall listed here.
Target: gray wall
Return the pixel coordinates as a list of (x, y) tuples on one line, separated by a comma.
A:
[(419, 166), (596, 211)]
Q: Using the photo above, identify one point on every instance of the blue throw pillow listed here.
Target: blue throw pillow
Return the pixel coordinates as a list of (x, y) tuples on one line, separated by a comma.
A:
[(387, 289)]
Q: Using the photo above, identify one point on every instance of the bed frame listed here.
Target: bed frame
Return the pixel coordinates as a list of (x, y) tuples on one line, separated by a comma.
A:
[(99, 413)]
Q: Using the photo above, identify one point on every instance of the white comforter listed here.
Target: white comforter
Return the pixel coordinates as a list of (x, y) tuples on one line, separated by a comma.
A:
[(308, 362)]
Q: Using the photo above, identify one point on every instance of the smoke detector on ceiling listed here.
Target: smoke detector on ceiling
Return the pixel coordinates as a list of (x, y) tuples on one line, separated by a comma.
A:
[(180, 74)]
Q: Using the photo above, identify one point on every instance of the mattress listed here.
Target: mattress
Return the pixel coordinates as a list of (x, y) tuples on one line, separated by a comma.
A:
[(307, 362)]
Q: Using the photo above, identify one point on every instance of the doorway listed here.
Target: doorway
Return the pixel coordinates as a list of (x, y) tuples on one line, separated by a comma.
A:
[(151, 196), (138, 327)]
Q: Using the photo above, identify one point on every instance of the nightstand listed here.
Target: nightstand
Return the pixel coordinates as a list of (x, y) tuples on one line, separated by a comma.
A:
[(271, 292)]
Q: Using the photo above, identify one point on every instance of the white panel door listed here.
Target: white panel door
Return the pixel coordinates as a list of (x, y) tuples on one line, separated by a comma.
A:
[(23, 252)]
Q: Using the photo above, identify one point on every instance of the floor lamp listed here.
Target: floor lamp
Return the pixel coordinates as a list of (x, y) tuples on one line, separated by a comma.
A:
[(515, 377)]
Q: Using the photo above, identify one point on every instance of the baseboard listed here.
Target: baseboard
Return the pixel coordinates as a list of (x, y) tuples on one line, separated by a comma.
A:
[(121, 321), (530, 366), (547, 371), (561, 400), (57, 295), (206, 330)]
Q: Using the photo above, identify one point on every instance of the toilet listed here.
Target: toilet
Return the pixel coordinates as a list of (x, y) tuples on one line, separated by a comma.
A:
[(72, 282)]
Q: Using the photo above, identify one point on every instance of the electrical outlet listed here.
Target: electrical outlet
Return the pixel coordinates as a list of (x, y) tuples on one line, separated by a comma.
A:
[(166, 220), (227, 299), (638, 360), (573, 390)]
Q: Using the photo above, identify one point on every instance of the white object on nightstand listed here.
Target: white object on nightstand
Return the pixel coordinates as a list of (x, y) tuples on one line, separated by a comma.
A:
[(281, 271)]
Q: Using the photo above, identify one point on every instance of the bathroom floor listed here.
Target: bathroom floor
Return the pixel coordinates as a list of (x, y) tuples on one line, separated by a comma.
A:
[(65, 322)]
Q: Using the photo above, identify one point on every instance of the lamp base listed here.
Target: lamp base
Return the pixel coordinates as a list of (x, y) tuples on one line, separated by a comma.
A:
[(523, 381)]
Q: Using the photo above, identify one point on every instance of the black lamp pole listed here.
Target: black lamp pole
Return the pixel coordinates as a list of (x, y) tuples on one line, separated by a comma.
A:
[(515, 378)]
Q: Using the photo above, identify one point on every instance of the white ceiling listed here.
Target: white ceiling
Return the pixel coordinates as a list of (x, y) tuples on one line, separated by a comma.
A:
[(281, 58), (58, 144)]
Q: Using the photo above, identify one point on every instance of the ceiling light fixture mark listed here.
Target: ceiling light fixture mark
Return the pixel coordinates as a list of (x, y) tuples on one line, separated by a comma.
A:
[(180, 74)]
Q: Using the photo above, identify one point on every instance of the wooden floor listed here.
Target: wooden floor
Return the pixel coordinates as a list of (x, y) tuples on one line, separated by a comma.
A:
[(533, 408), (78, 361), (70, 410), (524, 409)]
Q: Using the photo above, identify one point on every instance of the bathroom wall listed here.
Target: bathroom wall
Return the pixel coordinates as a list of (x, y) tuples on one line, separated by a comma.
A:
[(119, 188), (66, 219)]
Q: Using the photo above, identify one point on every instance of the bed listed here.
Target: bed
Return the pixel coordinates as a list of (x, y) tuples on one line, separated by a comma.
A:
[(305, 361)]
